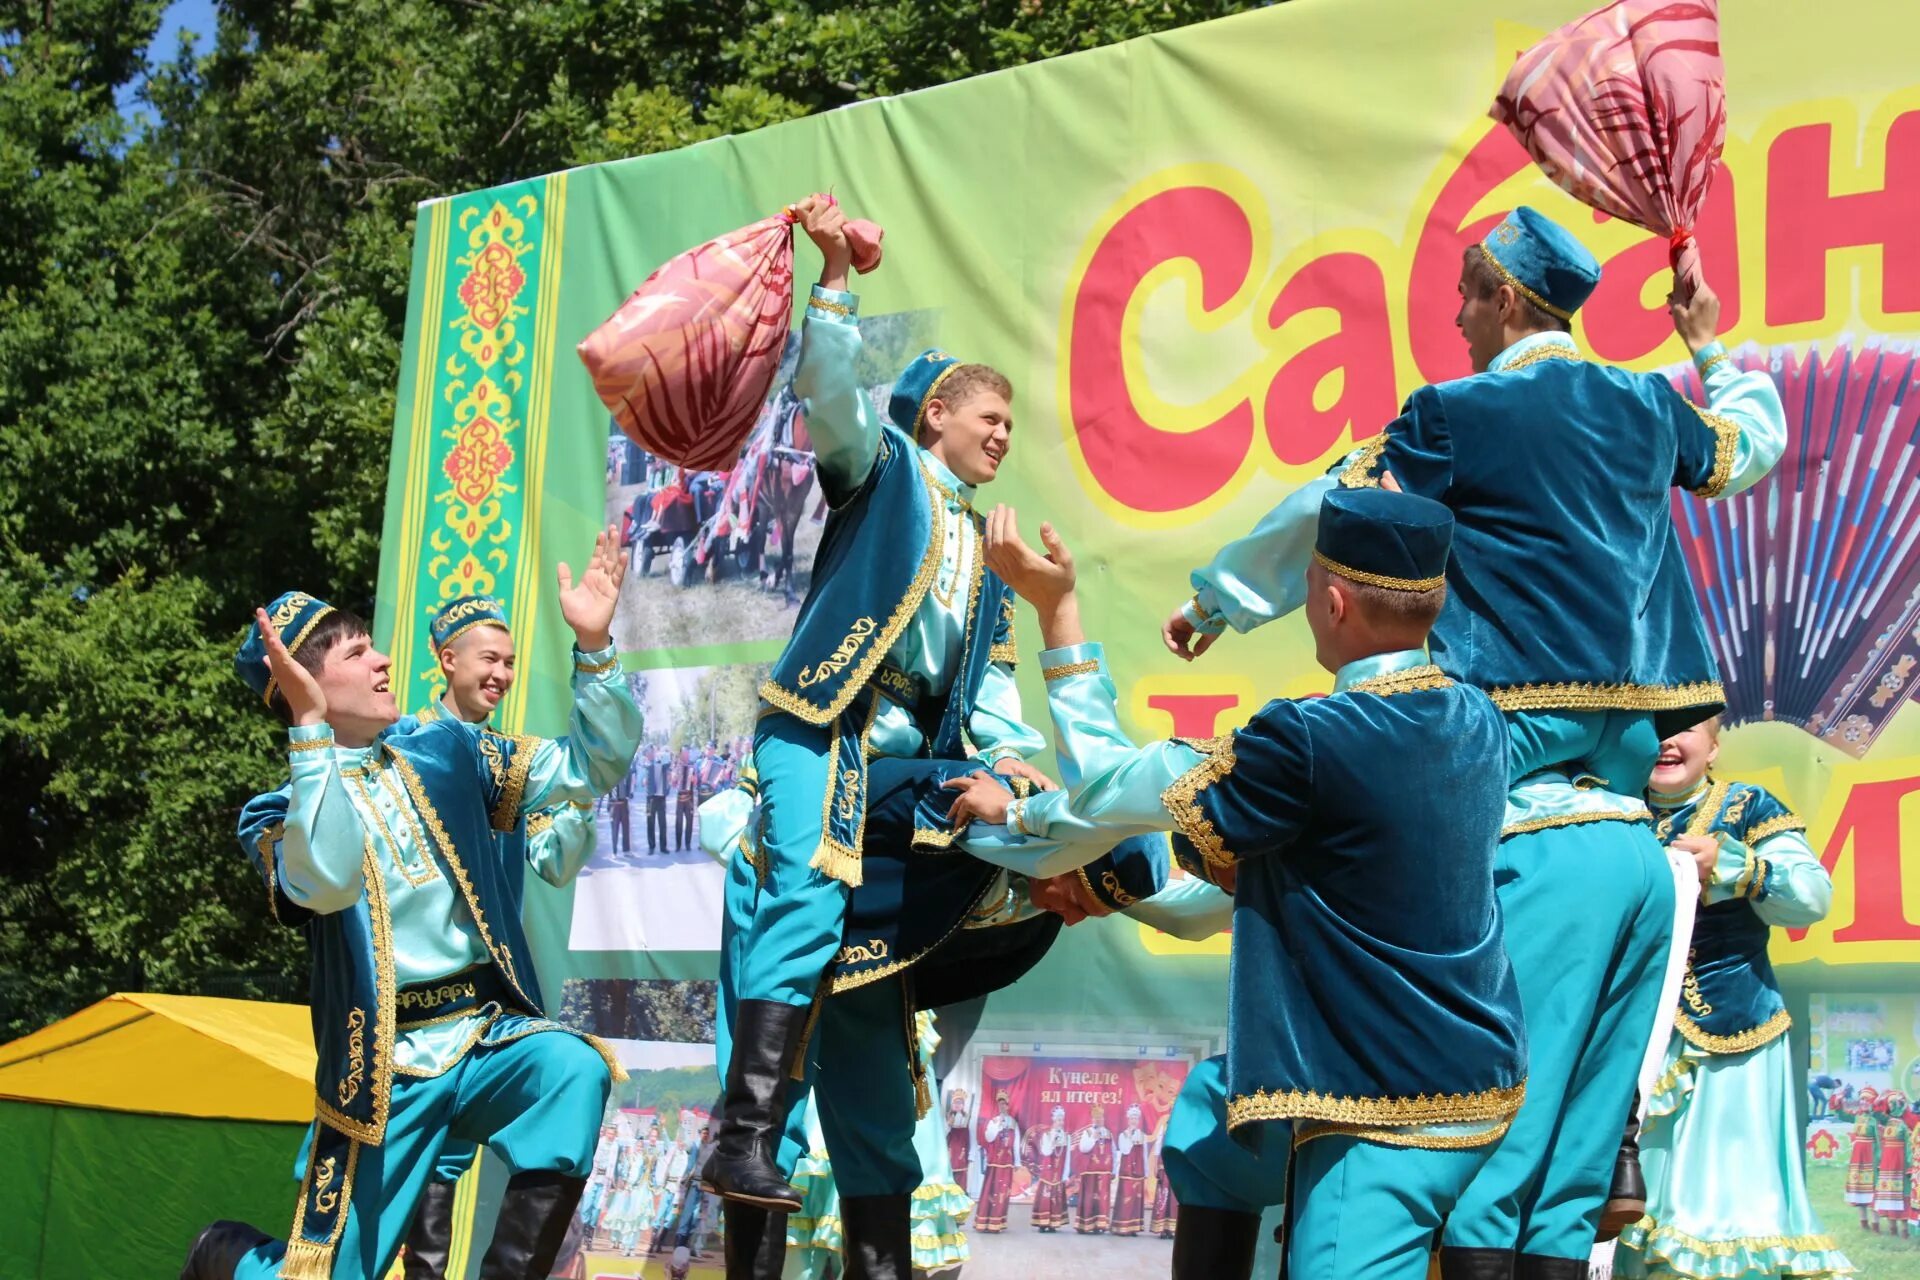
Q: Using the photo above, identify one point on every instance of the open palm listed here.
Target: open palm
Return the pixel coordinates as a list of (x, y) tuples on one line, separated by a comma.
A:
[(588, 604)]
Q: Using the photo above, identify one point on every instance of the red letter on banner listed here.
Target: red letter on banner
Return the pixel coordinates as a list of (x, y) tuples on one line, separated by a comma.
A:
[(1616, 324), (1137, 463), (1194, 715), (1872, 818), (1360, 352), (1806, 221)]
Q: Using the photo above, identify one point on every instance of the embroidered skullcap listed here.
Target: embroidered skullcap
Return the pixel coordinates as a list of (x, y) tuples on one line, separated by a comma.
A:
[(461, 616), (1542, 261), (918, 383), (294, 615), (1384, 539)]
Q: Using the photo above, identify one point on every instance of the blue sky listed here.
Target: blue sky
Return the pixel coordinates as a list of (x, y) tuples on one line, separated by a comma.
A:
[(196, 16)]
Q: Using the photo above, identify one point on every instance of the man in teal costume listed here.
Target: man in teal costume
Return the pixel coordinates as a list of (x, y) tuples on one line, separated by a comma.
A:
[(474, 645), (926, 927), (904, 647), (1569, 603), (1373, 1028), (427, 1018)]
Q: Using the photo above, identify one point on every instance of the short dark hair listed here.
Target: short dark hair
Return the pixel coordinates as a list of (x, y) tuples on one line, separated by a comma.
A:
[(1390, 608), (339, 625), (1484, 281)]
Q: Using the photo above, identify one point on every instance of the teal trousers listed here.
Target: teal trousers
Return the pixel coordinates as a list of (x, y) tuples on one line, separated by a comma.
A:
[(536, 1102)]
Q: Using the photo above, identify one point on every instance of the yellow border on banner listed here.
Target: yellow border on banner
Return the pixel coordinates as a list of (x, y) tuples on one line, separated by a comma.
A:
[(466, 1206), (420, 443), (526, 574)]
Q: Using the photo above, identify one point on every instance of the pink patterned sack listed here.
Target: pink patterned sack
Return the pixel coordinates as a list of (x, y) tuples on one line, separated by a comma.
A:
[(1626, 110), (687, 361)]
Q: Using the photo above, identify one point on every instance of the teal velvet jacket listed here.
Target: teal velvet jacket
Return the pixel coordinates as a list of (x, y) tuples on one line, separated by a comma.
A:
[(1371, 986), (1566, 588)]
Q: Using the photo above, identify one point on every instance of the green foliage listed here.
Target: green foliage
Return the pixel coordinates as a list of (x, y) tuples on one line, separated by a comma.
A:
[(200, 324)]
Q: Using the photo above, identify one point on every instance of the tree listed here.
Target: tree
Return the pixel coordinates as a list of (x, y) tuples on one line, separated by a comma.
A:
[(200, 327)]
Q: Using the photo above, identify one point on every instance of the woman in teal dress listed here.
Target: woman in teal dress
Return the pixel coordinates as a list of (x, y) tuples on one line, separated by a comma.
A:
[(1721, 1148)]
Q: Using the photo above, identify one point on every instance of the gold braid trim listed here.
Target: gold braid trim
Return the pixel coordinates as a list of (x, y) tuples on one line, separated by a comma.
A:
[(1008, 650), (1726, 442), (595, 668), (1713, 362), (305, 1260), (1526, 825), (380, 920), (831, 857), (1401, 1138), (1507, 277), (1376, 579), (506, 811), (452, 859), (1682, 1067), (810, 713), (1607, 697), (263, 844), (1412, 680), (932, 394), (1774, 826), (1540, 355), (1358, 474), (1066, 669), (1439, 1108), (1659, 1238), (1708, 810), (1752, 1038), (1182, 799), (539, 822), (461, 630), (848, 981), (310, 744)]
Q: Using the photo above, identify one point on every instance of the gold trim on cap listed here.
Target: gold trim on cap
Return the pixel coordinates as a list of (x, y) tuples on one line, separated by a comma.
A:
[(1377, 579), (933, 389), (1521, 289), (293, 647)]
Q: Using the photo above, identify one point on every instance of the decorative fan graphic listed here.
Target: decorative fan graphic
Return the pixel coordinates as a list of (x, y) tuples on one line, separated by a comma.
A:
[(1808, 581)]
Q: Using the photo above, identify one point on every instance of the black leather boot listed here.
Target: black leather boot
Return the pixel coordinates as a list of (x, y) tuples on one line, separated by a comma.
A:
[(534, 1214), (1627, 1197), (430, 1239), (879, 1237), (766, 1035), (1476, 1264), (217, 1250), (1214, 1244), (1534, 1266), (754, 1242)]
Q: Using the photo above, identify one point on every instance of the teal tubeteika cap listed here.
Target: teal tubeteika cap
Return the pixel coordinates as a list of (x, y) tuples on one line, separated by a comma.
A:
[(918, 383), (461, 616), (1398, 541), (1542, 261), (294, 615)]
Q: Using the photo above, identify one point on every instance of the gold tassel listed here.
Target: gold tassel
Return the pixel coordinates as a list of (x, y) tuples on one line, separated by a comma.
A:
[(922, 1095), (836, 860), (307, 1261), (799, 1069), (607, 1055)]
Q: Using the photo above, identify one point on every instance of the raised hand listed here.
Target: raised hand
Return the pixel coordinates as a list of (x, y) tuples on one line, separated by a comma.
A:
[(305, 699), (1042, 581), (588, 604), (821, 218), (1697, 319)]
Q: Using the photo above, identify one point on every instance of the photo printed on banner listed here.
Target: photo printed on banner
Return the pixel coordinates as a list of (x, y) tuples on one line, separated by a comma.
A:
[(725, 557), (649, 886)]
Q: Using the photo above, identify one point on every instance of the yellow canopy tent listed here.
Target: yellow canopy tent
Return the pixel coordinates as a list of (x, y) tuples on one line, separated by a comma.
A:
[(127, 1127)]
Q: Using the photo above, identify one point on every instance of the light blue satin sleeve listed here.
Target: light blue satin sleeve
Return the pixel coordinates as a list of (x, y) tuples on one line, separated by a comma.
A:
[(1749, 398), (995, 725), (603, 736), (1112, 789), (1260, 577), (1189, 909), (723, 823), (562, 846), (840, 417), (322, 845), (1798, 889)]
